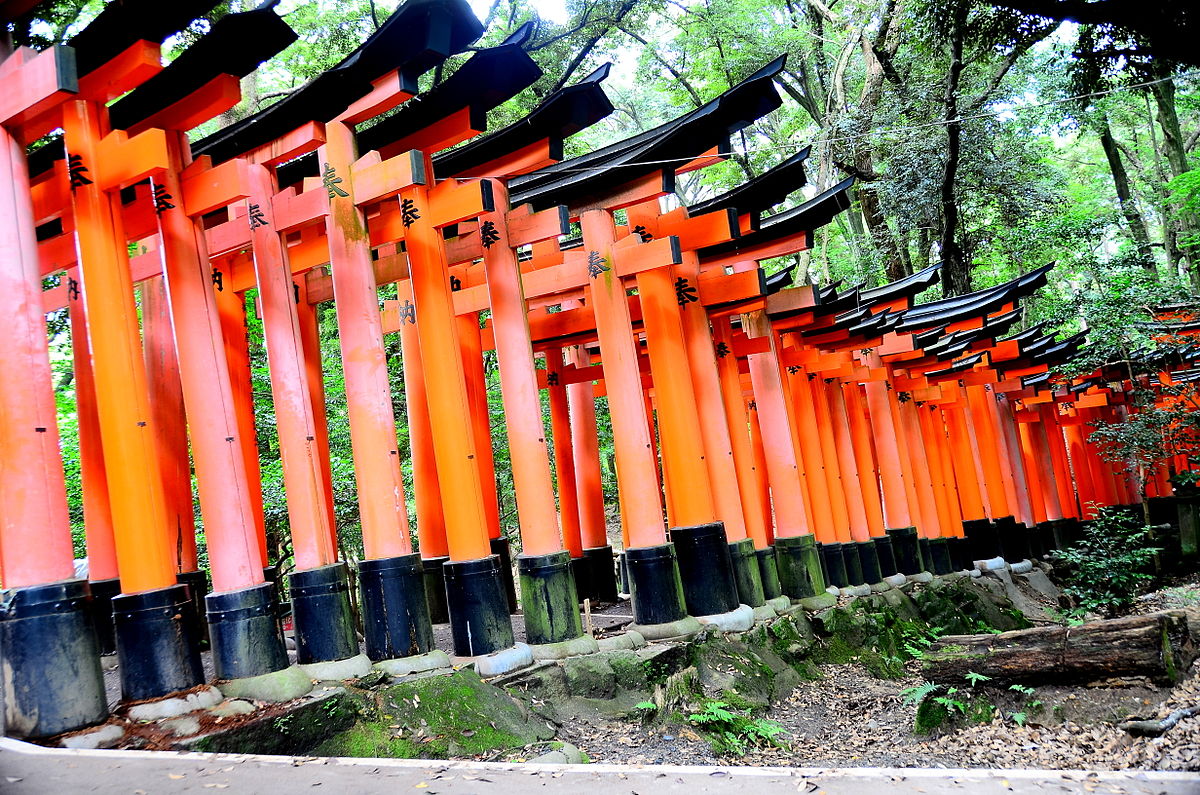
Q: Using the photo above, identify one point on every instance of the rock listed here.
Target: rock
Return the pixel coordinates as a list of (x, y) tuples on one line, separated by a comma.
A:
[(683, 628), (819, 602), (286, 685), (626, 640), (920, 576), (896, 580), (780, 603), (584, 644), (565, 754), (503, 661), (857, 590), (106, 736), (338, 670), (177, 705), (739, 619), (405, 666), (183, 726), (591, 676), (232, 707), (764, 613)]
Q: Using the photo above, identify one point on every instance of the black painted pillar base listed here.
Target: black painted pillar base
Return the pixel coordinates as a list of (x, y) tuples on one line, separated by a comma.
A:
[(799, 563), (157, 650), (960, 554), (52, 681), (868, 557), (501, 549), (939, 556), (1071, 531), (395, 613), (103, 592), (321, 614), (197, 583), (926, 554), (1033, 537), (1013, 545), (887, 555), (768, 570), (549, 598), (906, 549), (245, 633), (655, 585), (746, 576), (833, 564), (602, 575), (623, 574), (983, 542), (1048, 536), (853, 563), (581, 572), (705, 568), (478, 606), (435, 589)]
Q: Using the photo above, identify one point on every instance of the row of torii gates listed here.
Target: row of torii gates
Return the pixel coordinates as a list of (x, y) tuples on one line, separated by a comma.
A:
[(794, 437)]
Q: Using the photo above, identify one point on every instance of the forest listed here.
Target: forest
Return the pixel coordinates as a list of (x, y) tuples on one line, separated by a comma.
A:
[(992, 137)]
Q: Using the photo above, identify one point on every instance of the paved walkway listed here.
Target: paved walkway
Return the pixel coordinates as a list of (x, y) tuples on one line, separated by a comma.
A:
[(26, 769)]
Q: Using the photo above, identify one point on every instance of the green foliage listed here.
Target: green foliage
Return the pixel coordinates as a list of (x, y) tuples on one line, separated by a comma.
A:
[(939, 706), (733, 733), (1108, 567)]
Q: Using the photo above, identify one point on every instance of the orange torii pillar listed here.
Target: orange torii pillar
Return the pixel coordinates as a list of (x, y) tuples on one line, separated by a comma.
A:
[(817, 448), (477, 403), (395, 613), (981, 411), (748, 469), (855, 409), (899, 544), (718, 442), (699, 535), (320, 585), (431, 522), (1024, 481), (967, 468), (1010, 527), (949, 550), (796, 556), (97, 513), (1068, 502), (246, 639), (52, 682), (549, 593), (589, 487), (174, 461), (656, 589), (475, 594), (1036, 455), (925, 469), (157, 647), (859, 505)]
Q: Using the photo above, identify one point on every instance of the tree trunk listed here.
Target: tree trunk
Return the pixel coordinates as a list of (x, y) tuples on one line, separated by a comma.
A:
[(881, 233), (1160, 646), (1188, 226), (1133, 217), (956, 271)]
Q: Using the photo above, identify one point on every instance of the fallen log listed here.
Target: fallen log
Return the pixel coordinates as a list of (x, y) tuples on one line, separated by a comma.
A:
[(1160, 646), (1157, 728)]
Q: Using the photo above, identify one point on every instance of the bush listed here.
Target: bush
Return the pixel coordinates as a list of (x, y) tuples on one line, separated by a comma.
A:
[(1109, 565)]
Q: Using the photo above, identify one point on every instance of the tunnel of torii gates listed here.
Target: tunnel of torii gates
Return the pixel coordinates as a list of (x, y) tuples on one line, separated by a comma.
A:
[(770, 441)]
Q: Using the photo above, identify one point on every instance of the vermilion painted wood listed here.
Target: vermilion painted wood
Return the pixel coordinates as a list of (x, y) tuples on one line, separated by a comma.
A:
[(792, 516), (445, 388), (963, 461), (839, 495), (431, 522), (309, 511), (852, 484), (750, 483), (896, 509), (522, 405), (814, 474), (310, 338), (230, 500), (135, 483), (231, 310), (97, 512), (681, 442), (564, 470), (761, 485), (641, 509), (373, 438), (166, 401), (989, 456), (864, 456), (476, 382), (32, 487), (585, 451)]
